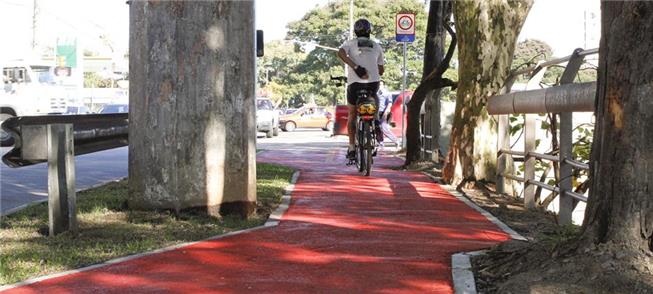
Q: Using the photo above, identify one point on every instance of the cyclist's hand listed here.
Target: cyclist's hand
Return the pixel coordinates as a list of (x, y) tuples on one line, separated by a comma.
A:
[(361, 72)]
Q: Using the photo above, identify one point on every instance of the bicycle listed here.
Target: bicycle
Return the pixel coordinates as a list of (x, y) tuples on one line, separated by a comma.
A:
[(365, 138)]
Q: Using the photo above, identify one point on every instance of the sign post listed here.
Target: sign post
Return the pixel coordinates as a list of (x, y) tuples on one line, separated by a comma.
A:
[(405, 33)]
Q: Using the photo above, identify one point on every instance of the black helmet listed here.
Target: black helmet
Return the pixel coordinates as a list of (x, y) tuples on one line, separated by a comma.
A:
[(362, 28)]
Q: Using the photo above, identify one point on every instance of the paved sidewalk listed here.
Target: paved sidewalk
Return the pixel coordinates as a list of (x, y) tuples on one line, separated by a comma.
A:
[(393, 232)]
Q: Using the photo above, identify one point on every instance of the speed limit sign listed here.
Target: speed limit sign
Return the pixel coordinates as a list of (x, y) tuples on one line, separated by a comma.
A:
[(405, 27)]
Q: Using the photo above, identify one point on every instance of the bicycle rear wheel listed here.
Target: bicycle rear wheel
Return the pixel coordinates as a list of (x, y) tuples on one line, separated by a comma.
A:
[(368, 148), (360, 148)]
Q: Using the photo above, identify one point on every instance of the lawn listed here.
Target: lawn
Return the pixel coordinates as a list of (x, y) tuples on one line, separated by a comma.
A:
[(107, 229)]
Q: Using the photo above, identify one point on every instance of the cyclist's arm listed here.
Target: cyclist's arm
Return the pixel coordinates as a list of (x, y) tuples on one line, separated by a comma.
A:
[(380, 61), (343, 56)]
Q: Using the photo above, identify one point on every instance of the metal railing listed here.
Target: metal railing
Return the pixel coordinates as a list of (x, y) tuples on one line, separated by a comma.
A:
[(56, 139), (563, 100), (427, 144)]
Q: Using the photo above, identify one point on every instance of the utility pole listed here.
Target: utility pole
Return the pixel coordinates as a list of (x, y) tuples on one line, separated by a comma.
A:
[(35, 16), (351, 35)]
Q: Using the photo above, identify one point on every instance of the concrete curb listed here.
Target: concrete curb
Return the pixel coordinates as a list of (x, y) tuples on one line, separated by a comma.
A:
[(461, 266), (272, 221), (21, 207), (461, 271)]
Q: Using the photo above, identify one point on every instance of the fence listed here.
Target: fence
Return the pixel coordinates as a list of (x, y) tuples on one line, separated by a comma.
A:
[(563, 100), (56, 139)]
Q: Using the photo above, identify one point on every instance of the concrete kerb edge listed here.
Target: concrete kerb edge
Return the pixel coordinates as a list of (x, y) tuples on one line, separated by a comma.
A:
[(461, 266), (278, 213), (19, 208)]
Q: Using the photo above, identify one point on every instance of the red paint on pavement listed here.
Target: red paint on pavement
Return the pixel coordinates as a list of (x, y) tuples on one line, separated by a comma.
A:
[(393, 232)]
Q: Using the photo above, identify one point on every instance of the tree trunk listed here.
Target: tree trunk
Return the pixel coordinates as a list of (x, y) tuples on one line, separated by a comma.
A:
[(192, 99), (620, 206), (439, 12), (487, 31)]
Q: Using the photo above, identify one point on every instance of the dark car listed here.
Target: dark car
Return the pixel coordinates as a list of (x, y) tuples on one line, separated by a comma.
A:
[(115, 108)]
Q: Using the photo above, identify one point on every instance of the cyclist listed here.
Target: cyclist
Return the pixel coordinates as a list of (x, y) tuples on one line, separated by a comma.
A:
[(365, 59)]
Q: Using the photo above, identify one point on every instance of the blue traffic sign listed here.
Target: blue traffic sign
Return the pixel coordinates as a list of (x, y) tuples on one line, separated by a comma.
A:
[(405, 38)]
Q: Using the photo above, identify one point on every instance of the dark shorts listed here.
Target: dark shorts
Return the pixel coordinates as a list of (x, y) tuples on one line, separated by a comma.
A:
[(372, 88)]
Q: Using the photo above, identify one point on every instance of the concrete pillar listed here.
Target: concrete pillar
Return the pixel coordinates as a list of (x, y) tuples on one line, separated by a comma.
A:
[(192, 106)]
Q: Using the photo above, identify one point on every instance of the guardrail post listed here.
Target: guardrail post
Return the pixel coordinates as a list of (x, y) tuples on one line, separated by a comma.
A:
[(529, 161), (61, 179), (566, 143), (503, 186), (504, 161), (566, 202)]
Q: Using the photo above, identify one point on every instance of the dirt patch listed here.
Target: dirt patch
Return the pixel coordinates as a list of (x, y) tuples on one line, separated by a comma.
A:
[(537, 267), (549, 262)]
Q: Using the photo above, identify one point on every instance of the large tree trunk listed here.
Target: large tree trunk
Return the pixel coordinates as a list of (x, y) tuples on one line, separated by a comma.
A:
[(192, 118), (620, 207), (439, 12), (487, 32)]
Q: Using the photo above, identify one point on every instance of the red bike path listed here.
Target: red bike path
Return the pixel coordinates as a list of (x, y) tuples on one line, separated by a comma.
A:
[(393, 232)]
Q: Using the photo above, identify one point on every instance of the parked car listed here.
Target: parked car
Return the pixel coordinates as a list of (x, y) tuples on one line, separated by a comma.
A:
[(309, 116), (267, 118), (115, 108)]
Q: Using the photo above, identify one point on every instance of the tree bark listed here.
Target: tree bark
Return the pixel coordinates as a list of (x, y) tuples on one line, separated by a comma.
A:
[(439, 13), (620, 206), (487, 32), (192, 99)]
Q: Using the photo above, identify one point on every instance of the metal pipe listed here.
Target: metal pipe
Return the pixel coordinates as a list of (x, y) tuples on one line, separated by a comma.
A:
[(544, 156), (553, 62), (512, 152), (577, 164), (566, 98), (512, 177), (576, 196), (544, 186)]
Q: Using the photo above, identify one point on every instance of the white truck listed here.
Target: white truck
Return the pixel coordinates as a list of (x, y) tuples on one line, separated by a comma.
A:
[(267, 117), (29, 89)]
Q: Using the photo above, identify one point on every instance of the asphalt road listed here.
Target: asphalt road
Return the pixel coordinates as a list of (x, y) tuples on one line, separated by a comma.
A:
[(21, 186)]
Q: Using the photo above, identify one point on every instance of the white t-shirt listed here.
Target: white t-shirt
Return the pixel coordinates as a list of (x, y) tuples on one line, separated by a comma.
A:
[(369, 56)]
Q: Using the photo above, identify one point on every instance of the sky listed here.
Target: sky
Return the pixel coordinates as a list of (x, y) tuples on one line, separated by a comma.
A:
[(103, 25)]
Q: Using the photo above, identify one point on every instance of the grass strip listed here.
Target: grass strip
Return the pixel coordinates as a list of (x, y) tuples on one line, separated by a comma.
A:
[(108, 229)]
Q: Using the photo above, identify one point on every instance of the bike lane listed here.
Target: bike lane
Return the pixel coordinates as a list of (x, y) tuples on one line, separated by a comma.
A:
[(393, 232)]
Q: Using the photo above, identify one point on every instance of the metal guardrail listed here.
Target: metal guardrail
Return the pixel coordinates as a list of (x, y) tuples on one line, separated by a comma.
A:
[(563, 100), (92, 133), (56, 139)]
